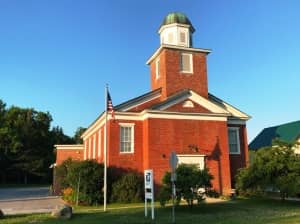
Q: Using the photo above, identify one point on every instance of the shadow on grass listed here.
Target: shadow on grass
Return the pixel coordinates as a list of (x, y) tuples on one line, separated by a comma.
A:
[(252, 211)]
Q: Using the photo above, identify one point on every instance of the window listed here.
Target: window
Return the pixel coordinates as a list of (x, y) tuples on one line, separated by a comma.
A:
[(170, 38), (234, 140), (157, 68), (186, 63), (126, 137), (182, 37)]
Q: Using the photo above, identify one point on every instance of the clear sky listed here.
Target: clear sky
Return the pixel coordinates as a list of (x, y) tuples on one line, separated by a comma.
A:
[(57, 55)]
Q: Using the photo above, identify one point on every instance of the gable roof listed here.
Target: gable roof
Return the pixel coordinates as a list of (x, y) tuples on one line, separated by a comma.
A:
[(189, 94), (217, 107), (127, 105), (287, 132)]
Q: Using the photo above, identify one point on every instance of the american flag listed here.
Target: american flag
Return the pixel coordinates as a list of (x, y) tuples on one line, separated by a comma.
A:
[(110, 107)]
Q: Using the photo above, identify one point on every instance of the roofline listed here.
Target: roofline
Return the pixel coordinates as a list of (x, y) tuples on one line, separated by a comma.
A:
[(127, 105), (244, 115), (192, 29), (72, 147), (166, 46), (148, 113)]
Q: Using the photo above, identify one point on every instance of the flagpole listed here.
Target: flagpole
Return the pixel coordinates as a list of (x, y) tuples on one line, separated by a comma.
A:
[(105, 152)]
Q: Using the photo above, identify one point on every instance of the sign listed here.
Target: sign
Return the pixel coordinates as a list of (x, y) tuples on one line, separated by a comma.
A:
[(149, 191), (148, 179)]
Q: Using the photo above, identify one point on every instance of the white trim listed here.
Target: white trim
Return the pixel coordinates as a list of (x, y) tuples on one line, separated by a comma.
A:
[(157, 68), (90, 143), (188, 49), (237, 132), (173, 25), (236, 121), (130, 125), (197, 99), (69, 147), (94, 146), (131, 116), (85, 150), (234, 111), (200, 159), (191, 69), (185, 116), (99, 142), (206, 103)]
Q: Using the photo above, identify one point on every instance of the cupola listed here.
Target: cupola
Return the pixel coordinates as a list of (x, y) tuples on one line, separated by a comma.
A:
[(176, 29)]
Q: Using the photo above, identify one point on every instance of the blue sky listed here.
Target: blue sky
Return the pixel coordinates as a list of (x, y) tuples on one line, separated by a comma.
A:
[(57, 55)]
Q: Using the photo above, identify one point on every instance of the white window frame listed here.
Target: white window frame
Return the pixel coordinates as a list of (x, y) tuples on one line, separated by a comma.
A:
[(157, 68), (191, 63), (237, 133), (126, 125)]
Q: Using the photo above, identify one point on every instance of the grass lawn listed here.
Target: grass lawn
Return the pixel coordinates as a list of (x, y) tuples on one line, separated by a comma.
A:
[(241, 211)]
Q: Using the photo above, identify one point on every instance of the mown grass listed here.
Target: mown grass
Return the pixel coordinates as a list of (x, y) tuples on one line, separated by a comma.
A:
[(241, 211)]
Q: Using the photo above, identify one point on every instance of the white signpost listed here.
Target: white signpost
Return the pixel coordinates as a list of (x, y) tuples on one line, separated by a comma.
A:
[(173, 164), (149, 191)]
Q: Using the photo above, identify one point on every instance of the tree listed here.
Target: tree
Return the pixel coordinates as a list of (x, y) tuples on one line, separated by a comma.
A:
[(26, 144), (189, 179), (274, 168), (77, 136)]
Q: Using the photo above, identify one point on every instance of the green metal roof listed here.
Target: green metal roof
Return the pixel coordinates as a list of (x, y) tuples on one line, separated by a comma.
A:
[(177, 17), (288, 132)]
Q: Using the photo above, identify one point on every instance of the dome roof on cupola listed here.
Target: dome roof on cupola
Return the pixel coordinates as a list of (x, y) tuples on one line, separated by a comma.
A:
[(177, 17)]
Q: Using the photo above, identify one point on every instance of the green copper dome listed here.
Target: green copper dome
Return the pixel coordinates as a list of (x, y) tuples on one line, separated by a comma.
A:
[(177, 17)]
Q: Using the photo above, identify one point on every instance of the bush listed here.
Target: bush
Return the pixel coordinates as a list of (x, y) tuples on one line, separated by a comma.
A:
[(189, 180), (274, 168), (87, 175), (128, 189)]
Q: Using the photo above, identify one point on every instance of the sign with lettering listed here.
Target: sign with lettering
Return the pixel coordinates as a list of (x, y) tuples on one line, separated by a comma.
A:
[(149, 191)]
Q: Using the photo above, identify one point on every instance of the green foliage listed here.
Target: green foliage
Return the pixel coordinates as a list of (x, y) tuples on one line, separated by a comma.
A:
[(128, 189), (88, 175), (26, 144), (189, 180), (77, 136), (273, 168)]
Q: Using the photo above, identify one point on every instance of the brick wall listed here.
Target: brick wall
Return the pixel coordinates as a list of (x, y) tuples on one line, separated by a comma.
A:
[(176, 135), (240, 160), (173, 80), (65, 152)]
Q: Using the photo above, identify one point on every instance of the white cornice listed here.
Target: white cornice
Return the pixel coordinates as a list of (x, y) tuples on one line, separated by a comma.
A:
[(197, 99), (69, 147), (172, 25), (146, 114), (162, 46)]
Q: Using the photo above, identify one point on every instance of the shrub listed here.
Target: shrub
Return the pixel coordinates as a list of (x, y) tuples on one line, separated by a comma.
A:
[(90, 185), (128, 189), (189, 180), (273, 168)]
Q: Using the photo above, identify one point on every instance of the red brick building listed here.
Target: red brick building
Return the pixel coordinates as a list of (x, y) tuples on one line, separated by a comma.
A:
[(178, 114)]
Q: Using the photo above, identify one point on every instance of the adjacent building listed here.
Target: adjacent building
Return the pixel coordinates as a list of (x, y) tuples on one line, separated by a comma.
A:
[(288, 132), (177, 114)]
